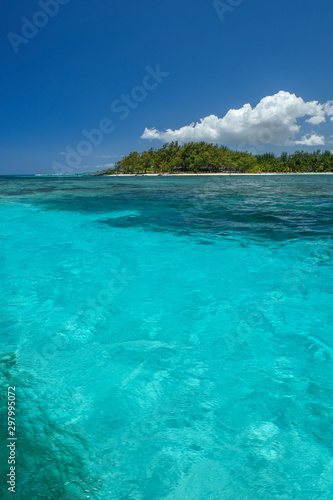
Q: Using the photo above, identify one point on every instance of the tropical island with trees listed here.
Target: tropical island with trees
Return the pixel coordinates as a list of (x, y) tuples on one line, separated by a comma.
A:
[(203, 158)]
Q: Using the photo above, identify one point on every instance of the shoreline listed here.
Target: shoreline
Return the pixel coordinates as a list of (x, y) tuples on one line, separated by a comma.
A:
[(205, 174)]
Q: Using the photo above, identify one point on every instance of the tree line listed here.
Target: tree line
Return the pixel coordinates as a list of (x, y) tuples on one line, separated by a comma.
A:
[(200, 157)]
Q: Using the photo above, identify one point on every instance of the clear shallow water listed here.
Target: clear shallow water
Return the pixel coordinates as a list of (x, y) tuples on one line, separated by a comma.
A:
[(170, 338)]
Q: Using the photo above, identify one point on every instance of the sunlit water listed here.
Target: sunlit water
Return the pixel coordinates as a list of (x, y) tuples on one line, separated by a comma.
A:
[(169, 338)]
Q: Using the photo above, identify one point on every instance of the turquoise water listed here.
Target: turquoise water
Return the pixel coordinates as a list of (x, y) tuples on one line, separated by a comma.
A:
[(169, 338)]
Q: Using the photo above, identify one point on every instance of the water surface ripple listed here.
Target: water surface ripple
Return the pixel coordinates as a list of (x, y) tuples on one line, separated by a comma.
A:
[(169, 337)]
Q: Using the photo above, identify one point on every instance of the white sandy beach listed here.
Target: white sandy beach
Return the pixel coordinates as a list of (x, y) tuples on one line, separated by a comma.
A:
[(225, 174)]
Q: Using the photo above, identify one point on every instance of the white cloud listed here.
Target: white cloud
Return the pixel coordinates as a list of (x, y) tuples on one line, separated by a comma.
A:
[(273, 121), (105, 165), (328, 108), (311, 140), (316, 120)]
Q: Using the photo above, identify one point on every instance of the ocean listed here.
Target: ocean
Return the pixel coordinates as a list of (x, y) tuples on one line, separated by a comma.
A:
[(168, 338)]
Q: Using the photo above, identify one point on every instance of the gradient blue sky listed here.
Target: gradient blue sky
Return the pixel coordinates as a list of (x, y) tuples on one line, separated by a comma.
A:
[(91, 52)]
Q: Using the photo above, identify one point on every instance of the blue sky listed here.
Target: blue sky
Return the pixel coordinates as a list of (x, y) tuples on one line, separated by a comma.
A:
[(64, 78)]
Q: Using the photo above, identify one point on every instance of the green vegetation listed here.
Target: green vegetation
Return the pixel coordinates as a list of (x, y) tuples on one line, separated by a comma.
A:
[(209, 158)]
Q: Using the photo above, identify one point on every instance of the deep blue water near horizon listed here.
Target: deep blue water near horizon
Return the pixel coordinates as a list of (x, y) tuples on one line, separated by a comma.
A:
[(169, 338)]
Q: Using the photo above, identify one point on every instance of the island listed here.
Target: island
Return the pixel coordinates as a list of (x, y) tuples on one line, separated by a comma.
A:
[(204, 158)]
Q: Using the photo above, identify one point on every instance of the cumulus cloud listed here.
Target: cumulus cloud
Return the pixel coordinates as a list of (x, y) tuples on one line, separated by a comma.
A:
[(273, 121), (316, 120), (328, 108), (311, 140), (104, 165)]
